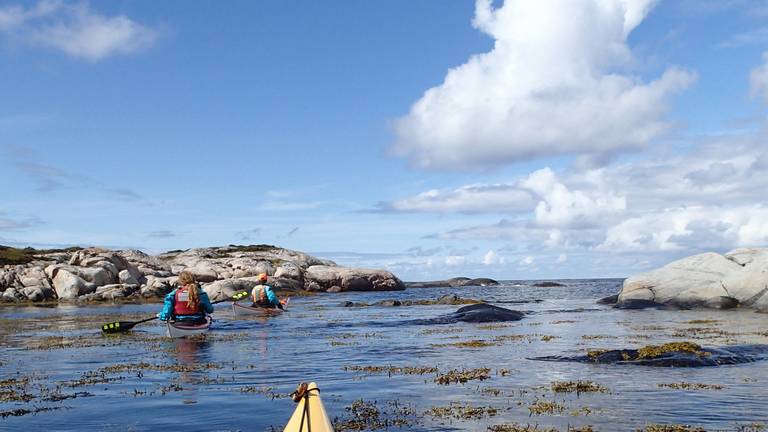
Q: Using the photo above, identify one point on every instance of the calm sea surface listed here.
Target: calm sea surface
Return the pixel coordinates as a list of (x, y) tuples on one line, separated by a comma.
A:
[(60, 373)]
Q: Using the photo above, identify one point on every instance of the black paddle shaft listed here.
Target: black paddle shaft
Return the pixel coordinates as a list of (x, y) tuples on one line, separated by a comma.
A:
[(124, 326)]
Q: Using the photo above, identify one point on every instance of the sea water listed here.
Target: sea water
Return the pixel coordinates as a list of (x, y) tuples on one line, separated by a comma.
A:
[(57, 372)]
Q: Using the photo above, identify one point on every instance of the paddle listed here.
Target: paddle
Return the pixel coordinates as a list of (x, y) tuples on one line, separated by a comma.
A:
[(124, 326)]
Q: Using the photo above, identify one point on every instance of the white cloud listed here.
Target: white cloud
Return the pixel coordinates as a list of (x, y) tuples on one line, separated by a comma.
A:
[(561, 207), (758, 79), (562, 258), (493, 258), (712, 197), (548, 87), (697, 228), (527, 261), (75, 29)]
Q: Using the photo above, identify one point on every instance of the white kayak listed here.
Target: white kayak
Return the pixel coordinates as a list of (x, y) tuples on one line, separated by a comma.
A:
[(309, 415), (243, 310), (182, 329)]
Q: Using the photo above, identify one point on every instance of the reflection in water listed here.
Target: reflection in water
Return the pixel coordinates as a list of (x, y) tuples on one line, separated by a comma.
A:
[(190, 352)]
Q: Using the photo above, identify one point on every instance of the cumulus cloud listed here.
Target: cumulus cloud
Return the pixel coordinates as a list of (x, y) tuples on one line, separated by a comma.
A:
[(550, 86), (74, 29), (493, 258), (561, 207), (554, 203), (711, 197), (696, 227)]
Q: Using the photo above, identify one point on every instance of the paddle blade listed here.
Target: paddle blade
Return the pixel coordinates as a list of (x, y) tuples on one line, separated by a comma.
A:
[(239, 296), (117, 327)]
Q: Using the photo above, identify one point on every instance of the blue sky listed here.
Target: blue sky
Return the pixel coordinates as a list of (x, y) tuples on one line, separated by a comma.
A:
[(509, 139)]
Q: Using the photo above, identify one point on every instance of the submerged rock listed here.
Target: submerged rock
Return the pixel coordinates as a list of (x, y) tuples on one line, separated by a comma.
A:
[(676, 354), (476, 313), (547, 284)]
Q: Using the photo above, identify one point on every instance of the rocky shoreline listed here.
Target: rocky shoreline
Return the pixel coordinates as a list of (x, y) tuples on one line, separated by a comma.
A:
[(96, 274)]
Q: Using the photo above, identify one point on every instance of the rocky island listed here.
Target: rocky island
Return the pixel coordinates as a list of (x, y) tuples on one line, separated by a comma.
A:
[(95, 274)]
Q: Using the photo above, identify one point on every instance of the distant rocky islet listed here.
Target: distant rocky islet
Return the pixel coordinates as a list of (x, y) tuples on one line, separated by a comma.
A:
[(96, 274)]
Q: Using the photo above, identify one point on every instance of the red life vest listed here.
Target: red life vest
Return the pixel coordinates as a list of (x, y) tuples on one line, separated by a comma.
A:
[(180, 303)]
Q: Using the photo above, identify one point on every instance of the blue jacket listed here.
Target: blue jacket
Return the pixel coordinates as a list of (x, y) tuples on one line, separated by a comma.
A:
[(170, 299)]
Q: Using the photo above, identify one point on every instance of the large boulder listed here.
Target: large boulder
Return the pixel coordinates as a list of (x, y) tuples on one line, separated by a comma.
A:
[(350, 279), (68, 285), (11, 295), (113, 292), (158, 286), (290, 270), (709, 280), (38, 293), (223, 289), (126, 277)]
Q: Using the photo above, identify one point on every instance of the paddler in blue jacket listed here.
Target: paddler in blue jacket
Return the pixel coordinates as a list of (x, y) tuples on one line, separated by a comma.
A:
[(187, 302), (263, 296)]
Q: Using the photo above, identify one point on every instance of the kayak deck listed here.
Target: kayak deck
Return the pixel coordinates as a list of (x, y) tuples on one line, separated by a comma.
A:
[(309, 415)]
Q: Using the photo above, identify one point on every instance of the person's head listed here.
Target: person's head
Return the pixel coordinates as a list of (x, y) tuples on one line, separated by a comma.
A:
[(262, 294), (187, 279), (263, 277)]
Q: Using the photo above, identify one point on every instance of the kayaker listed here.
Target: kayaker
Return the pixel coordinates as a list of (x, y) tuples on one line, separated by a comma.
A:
[(187, 302), (263, 295)]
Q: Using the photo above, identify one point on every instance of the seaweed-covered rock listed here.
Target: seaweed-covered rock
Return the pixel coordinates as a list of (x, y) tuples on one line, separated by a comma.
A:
[(675, 354)]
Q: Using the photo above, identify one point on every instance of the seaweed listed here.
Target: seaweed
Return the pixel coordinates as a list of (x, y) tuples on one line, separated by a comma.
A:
[(462, 376)]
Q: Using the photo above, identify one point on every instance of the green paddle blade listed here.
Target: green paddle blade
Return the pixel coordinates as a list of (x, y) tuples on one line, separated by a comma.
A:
[(239, 295), (117, 327)]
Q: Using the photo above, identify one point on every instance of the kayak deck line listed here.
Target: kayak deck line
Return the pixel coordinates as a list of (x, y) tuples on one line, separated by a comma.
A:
[(310, 414)]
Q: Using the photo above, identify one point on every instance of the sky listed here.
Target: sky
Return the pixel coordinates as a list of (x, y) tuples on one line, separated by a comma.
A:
[(506, 139)]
